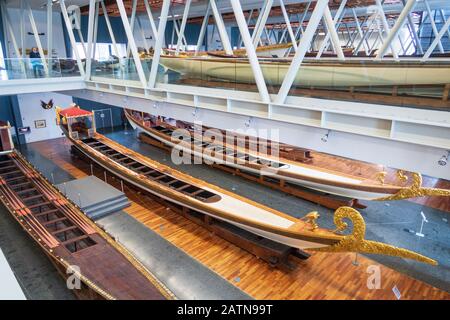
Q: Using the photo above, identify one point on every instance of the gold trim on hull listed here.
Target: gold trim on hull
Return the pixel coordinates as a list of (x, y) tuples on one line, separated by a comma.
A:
[(356, 242)]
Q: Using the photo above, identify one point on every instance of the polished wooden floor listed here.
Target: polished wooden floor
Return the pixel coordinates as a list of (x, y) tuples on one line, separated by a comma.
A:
[(322, 276)]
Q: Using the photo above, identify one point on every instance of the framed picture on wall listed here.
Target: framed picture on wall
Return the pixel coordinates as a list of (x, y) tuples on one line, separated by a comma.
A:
[(38, 124)]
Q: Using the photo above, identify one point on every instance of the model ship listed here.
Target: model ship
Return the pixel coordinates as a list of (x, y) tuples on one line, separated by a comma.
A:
[(187, 192), (314, 72), (105, 269), (296, 172)]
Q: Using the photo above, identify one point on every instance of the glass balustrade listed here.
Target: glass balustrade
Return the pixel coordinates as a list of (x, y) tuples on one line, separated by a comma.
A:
[(403, 83), (29, 68)]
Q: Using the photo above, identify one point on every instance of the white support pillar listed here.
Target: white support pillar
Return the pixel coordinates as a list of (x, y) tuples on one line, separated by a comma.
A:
[(187, 5), (240, 42), (159, 43), (251, 52), (385, 26), (69, 28), (258, 21), (300, 22), (150, 17), (337, 18), (360, 32), (110, 30), (262, 24), (177, 29), (433, 25), (396, 29), (288, 25), (8, 27), (412, 29), (90, 37), (36, 37), (94, 42), (49, 28), (303, 46), (22, 28), (221, 28), (334, 35), (437, 39), (201, 36), (132, 20), (131, 43)]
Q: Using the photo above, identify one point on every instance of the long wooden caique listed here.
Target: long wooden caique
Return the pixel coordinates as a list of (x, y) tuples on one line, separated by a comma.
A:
[(354, 72), (218, 151), (186, 191), (74, 243)]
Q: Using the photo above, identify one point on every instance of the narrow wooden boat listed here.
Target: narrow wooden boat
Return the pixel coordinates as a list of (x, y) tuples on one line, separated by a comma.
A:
[(74, 243), (187, 192), (219, 151), (316, 72)]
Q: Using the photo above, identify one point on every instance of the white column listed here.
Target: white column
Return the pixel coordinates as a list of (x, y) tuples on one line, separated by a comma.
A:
[(90, 37), (385, 26), (187, 5), (133, 18), (360, 32), (396, 29), (49, 28), (36, 37), (141, 31), (110, 30), (262, 24), (303, 46), (437, 39), (131, 43), (251, 53), (71, 36), (288, 25), (150, 17), (433, 25), (221, 28), (337, 18), (159, 42), (201, 36), (334, 35)]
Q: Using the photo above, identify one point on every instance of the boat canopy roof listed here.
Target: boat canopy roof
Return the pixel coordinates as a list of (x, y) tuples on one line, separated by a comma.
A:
[(74, 111)]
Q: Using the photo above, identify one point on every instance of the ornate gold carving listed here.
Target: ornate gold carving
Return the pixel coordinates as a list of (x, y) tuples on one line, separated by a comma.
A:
[(311, 218), (381, 176), (416, 190), (401, 176), (355, 242)]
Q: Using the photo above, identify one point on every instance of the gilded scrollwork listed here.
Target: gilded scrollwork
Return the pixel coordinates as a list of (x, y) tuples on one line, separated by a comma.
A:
[(416, 190), (356, 242)]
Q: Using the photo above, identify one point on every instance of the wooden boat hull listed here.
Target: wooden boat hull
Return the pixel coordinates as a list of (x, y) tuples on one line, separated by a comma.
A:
[(227, 204), (310, 178), (315, 73), (69, 238)]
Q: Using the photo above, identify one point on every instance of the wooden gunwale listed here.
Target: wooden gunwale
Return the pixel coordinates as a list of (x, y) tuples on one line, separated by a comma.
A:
[(326, 237), (388, 189)]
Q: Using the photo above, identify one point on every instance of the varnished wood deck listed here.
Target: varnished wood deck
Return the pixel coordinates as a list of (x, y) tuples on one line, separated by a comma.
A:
[(323, 276)]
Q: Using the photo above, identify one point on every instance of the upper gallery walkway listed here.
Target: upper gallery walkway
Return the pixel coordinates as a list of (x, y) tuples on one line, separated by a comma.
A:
[(24, 75)]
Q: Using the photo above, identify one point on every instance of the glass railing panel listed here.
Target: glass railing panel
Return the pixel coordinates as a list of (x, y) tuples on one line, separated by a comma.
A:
[(32, 68)]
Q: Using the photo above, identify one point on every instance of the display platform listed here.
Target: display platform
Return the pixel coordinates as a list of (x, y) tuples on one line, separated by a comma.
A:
[(95, 197)]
